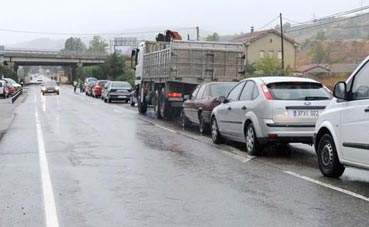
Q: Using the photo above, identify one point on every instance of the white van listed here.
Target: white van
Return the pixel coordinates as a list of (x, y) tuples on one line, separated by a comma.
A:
[(342, 130)]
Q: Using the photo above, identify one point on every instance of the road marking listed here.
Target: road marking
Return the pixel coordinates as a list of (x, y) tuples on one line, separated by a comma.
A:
[(350, 193), (236, 156), (167, 129), (48, 195)]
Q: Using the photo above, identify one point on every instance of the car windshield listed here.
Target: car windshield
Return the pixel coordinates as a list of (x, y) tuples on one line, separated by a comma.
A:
[(50, 84), (125, 85), (218, 90), (298, 91)]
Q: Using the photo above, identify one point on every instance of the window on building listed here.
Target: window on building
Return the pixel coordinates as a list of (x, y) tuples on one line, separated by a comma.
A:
[(279, 54), (271, 53), (262, 54)]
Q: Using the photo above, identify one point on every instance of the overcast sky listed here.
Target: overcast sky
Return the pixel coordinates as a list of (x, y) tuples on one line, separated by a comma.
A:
[(105, 16)]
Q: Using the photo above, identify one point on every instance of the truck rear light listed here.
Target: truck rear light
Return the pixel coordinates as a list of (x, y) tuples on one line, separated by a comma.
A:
[(266, 92), (273, 136), (174, 95)]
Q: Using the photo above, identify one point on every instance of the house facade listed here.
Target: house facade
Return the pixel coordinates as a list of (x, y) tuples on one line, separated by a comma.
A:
[(265, 43)]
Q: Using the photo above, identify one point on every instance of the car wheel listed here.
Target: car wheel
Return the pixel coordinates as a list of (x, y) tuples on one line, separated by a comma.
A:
[(109, 100), (58, 93), (252, 144), (328, 160), (43, 93), (203, 127), (105, 100), (184, 120), (215, 134)]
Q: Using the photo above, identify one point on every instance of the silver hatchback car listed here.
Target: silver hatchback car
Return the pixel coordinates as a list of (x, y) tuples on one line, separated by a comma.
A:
[(264, 110)]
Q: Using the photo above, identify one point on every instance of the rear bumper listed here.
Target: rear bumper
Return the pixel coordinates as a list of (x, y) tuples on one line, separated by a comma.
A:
[(120, 97), (290, 133)]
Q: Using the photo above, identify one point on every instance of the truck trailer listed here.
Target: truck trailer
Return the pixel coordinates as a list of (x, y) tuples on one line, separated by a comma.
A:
[(167, 72)]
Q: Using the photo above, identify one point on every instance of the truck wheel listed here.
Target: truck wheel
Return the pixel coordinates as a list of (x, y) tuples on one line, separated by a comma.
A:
[(142, 107), (329, 163), (164, 105), (157, 110)]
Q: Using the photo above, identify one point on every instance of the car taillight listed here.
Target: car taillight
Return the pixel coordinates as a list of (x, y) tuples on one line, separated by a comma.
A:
[(97, 87), (266, 92), (214, 103), (174, 95)]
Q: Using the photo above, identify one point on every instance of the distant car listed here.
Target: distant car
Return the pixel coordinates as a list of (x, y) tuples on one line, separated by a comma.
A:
[(97, 89), (4, 91), (50, 87), (264, 110), (87, 81), (342, 130), (88, 88), (205, 97), (116, 91)]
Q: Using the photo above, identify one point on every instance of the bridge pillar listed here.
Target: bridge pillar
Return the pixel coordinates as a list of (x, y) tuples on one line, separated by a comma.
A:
[(73, 72)]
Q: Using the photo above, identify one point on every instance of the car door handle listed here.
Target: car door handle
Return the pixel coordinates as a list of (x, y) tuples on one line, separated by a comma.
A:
[(367, 110), (229, 108), (244, 108)]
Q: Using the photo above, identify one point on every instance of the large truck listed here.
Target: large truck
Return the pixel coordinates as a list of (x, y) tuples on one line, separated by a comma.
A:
[(167, 72)]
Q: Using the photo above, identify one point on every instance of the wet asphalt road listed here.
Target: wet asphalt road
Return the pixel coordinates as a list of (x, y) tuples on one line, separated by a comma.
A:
[(109, 166)]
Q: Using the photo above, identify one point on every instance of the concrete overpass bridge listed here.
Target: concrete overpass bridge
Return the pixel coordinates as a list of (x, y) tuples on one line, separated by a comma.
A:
[(13, 58)]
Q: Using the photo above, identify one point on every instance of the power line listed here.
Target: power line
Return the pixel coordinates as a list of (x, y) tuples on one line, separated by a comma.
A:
[(323, 24), (86, 34), (274, 19)]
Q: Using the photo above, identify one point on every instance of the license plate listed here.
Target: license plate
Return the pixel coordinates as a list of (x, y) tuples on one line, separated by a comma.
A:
[(304, 113), (122, 96), (50, 90)]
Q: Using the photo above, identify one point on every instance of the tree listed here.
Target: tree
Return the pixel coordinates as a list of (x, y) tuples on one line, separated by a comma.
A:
[(113, 67), (7, 72), (74, 44), (97, 44), (214, 37), (249, 69), (321, 54), (268, 66), (321, 36)]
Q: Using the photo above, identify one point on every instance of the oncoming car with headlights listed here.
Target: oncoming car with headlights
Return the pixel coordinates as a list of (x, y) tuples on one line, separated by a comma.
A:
[(50, 87)]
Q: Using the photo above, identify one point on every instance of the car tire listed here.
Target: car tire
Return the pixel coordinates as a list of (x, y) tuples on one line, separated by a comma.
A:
[(252, 144), (43, 93), (109, 100), (184, 120), (329, 163), (58, 93), (215, 134), (203, 126), (105, 100)]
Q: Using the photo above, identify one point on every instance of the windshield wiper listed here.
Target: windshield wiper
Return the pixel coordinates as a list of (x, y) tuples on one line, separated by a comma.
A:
[(316, 98)]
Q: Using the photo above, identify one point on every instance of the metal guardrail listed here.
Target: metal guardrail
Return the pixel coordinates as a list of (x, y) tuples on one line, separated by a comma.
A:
[(63, 53), (15, 96)]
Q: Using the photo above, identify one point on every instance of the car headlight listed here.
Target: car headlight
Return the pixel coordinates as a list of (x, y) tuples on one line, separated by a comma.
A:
[(56, 88)]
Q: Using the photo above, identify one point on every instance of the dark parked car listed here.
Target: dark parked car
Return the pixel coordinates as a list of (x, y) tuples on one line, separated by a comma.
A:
[(197, 109), (50, 87), (97, 89), (116, 91)]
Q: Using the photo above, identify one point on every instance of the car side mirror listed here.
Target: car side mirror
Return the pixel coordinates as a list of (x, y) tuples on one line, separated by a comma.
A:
[(340, 90), (186, 97), (223, 99)]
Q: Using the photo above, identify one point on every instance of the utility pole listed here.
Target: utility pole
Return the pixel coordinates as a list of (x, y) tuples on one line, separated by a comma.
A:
[(282, 42), (197, 33)]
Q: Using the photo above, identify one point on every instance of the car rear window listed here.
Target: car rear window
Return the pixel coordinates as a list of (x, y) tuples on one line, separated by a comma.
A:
[(102, 83), (50, 84), (121, 85), (298, 91), (218, 90)]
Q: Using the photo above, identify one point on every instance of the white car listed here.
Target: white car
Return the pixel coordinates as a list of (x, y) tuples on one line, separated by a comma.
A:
[(342, 130), (3, 89)]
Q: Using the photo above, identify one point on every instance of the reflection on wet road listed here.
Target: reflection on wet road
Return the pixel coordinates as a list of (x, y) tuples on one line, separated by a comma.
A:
[(110, 166)]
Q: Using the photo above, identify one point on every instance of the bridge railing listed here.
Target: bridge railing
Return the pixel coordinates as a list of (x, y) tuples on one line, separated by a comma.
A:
[(62, 53)]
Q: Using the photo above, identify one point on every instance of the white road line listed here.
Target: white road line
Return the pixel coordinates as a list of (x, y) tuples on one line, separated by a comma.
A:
[(350, 193), (236, 156), (167, 129), (48, 195)]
